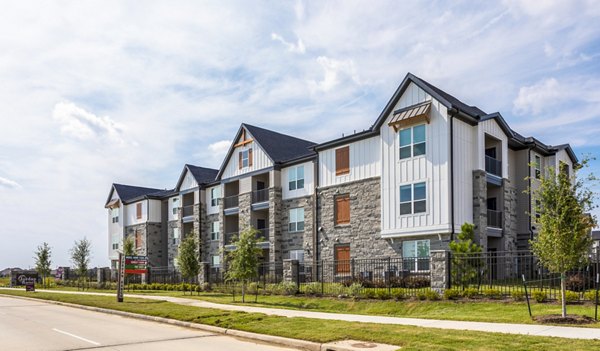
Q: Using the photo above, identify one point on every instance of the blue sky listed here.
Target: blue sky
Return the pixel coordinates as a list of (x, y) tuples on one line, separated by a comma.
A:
[(119, 91)]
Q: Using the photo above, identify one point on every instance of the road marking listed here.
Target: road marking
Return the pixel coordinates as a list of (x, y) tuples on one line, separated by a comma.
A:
[(76, 337)]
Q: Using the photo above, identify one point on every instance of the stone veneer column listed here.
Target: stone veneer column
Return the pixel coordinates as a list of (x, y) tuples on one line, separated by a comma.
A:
[(290, 271), (203, 275), (510, 216), (439, 270), (221, 203), (245, 211), (275, 237), (480, 207)]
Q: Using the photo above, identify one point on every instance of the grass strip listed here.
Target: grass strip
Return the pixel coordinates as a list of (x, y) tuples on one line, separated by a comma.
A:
[(409, 338)]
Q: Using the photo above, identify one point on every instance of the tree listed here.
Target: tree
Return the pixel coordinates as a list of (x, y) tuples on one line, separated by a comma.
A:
[(43, 262), (563, 203), (80, 257), (244, 259), (187, 258), (129, 246), (465, 258)]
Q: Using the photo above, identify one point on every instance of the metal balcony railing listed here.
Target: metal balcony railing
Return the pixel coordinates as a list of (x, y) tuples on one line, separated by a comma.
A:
[(494, 219), (262, 235), (260, 196), (493, 166), (231, 201), (188, 210)]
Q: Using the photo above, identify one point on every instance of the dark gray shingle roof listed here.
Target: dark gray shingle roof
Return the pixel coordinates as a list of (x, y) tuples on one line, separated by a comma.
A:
[(129, 192), (280, 147), (203, 175)]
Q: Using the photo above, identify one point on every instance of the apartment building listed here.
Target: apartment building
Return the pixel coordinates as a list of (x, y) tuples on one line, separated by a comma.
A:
[(400, 188)]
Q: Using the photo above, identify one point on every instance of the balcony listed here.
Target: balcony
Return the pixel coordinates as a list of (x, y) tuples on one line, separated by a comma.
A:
[(188, 211), (493, 166), (262, 237), (260, 196), (494, 219), (230, 238), (230, 202)]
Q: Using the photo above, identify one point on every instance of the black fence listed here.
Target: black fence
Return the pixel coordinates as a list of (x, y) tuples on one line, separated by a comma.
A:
[(366, 277), (503, 273)]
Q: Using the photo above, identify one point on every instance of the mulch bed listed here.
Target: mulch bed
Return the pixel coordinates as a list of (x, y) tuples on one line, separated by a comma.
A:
[(569, 319)]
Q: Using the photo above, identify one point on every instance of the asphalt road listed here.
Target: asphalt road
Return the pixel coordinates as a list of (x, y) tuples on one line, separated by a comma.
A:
[(32, 325)]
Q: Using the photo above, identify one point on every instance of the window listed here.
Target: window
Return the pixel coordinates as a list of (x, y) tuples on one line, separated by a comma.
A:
[(342, 160), (297, 255), (216, 261), (115, 246), (138, 210), (413, 198), (342, 259), (412, 141), (214, 231), (214, 197), (175, 236), (245, 158), (538, 210), (415, 255), (564, 168), (175, 205), (538, 167), (296, 178), (342, 209), (296, 220), (114, 212)]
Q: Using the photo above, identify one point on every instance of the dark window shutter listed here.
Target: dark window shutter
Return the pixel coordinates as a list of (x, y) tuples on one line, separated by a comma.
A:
[(250, 157), (342, 160), (138, 210), (342, 209), (240, 160)]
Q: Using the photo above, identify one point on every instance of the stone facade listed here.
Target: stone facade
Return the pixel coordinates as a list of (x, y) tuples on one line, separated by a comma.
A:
[(172, 245), (152, 242), (210, 247), (510, 216), (275, 225), (363, 232), (245, 215), (301, 240), (439, 270), (480, 207)]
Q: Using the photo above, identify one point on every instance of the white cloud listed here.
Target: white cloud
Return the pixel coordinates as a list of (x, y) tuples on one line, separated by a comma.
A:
[(7, 183), (298, 47), (538, 97), (220, 147), (84, 125), (334, 73)]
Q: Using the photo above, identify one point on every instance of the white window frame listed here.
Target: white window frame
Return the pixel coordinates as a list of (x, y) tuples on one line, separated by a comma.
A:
[(297, 255), (412, 200), (214, 231), (245, 158), (412, 143), (113, 211), (175, 205), (295, 225), (215, 261), (418, 257), (214, 197), (294, 179), (176, 236), (537, 167)]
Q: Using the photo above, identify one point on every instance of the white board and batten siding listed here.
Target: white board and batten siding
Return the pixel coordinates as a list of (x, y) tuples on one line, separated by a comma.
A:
[(189, 182), (260, 160), (365, 162), (170, 203), (491, 128), (151, 212), (465, 159), (431, 168), (309, 182), (115, 230), (212, 209)]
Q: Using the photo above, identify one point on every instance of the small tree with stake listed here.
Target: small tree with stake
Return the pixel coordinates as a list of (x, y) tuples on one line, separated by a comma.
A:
[(563, 204), (43, 262), (80, 257), (244, 259), (187, 259), (465, 263), (128, 250)]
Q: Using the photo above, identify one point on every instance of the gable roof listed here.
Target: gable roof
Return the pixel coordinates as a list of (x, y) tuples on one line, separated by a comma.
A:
[(279, 147), (127, 193), (202, 175)]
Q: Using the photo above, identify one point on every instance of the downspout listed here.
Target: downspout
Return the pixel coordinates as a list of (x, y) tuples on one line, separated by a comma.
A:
[(530, 198), (452, 171), (315, 214)]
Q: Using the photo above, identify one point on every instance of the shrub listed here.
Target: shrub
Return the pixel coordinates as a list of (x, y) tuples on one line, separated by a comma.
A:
[(286, 288), (451, 294), (355, 289), (470, 293), (336, 289), (368, 293), (590, 295), (517, 295), (575, 283), (492, 294), (421, 295), (570, 296), (432, 295), (398, 294), (539, 296), (205, 287), (382, 294), (313, 288), (417, 282), (252, 288)]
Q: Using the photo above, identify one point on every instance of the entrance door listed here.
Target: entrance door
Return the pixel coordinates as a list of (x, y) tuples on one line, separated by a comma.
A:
[(342, 259)]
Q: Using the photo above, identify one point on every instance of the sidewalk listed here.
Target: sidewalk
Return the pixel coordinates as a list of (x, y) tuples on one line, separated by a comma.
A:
[(523, 329)]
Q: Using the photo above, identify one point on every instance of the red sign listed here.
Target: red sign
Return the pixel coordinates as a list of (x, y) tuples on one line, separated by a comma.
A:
[(136, 264)]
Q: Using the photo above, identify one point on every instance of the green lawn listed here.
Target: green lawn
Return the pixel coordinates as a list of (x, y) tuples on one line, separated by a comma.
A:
[(504, 311), (409, 338)]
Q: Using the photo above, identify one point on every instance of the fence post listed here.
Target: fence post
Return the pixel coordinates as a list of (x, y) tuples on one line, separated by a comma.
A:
[(449, 270), (439, 270), (296, 272), (389, 275), (322, 278), (527, 296)]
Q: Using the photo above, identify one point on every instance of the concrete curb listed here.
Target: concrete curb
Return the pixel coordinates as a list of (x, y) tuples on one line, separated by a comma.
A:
[(276, 340)]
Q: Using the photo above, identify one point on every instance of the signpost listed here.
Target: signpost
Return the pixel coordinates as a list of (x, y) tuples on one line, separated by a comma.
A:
[(129, 265)]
